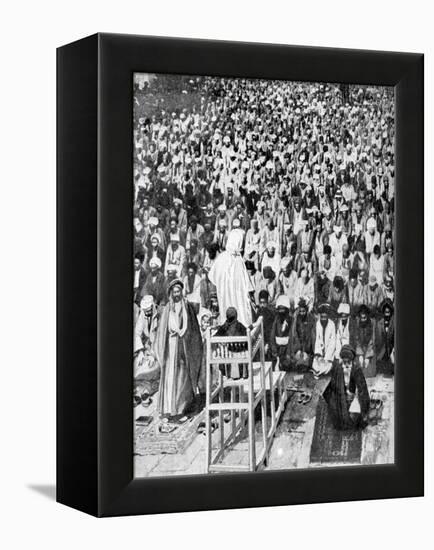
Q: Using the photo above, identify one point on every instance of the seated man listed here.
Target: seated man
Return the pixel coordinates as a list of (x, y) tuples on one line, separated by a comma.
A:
[(385, 338), (267, 312), (343, 330), (139, 277), (146, 367), (280, 333), (192, 286), (347, 394), (302, 335), (155, 282), (362, 339), (325, 342), (232, 327)]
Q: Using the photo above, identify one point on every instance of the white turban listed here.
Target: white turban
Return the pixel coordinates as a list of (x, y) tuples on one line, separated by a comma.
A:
[(147, 302), (283, 301), (155, 262), (371, 224)]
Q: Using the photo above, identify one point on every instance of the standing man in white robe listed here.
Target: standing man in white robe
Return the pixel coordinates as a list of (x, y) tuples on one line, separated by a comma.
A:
[(229, 275), (325, 342)]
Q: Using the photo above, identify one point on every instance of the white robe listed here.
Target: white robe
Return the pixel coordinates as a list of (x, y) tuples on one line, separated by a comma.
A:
[(325, 345), (229, 275), (342, 336)]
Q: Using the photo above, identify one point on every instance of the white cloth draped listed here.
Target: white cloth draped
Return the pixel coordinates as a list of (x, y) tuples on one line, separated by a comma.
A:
[(229, 275)]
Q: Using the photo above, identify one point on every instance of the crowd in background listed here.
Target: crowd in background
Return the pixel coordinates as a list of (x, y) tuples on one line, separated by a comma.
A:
[(305, 174)]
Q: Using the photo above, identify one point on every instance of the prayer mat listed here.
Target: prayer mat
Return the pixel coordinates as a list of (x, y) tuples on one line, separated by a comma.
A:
[(149, 441), (330, 445)]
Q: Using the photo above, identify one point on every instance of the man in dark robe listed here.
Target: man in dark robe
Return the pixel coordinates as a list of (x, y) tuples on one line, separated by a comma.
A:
[(321, 288), (303, 336), (385, 338), (347, 394), (232, 327), (178, 348), (362, 339), (338, 294), (139, 277), (267, 312), (155, 283), (280, 342)]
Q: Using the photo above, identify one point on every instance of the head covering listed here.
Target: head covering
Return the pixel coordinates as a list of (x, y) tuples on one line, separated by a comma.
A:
[(174, 237), (155, 262), (231, 313), (347, 352), (147, 302), (284, 262), (386, 303), (153, 221), (283, 301), (271, 244), (235, 241), (204, 312), (364, 309), (157, 237), (175, 282), (344, 309), (371, 224), (171, 267), (324, 308), (302, 302)]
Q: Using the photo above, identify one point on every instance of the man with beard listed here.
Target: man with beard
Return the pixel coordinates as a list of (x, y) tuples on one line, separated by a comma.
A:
[(385, 338), (280, 343), (178, 348), (155, 283), (267, 312), (356, 291), (271, 257), (252, 245), (338, 293), (179, 214), (192, 286), (374, 295), (146, 367), (322, 288), (362, 340), (175, 255), (194, 232), (325, 342), (343, 329), (305, 289), (139, 277), (347, 393), (302, 336), (232, 327)]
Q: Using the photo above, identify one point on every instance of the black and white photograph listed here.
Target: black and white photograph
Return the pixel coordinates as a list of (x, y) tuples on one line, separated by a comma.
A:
[(263, 292), (218, 243)]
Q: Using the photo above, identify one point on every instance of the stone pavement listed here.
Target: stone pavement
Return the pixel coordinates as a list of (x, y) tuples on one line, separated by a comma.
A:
[(293, 439)]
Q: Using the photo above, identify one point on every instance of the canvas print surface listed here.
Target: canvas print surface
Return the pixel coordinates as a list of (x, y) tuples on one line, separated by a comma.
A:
[(263, 275)]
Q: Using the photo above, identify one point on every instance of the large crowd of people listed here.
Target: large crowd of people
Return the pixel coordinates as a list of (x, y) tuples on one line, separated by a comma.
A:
[(261, 198)]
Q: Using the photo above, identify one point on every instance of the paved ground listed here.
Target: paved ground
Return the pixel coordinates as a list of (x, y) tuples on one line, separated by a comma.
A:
[(293, 439)]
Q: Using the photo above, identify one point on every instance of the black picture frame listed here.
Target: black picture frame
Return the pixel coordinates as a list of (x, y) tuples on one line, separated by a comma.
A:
[(94, 274)]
